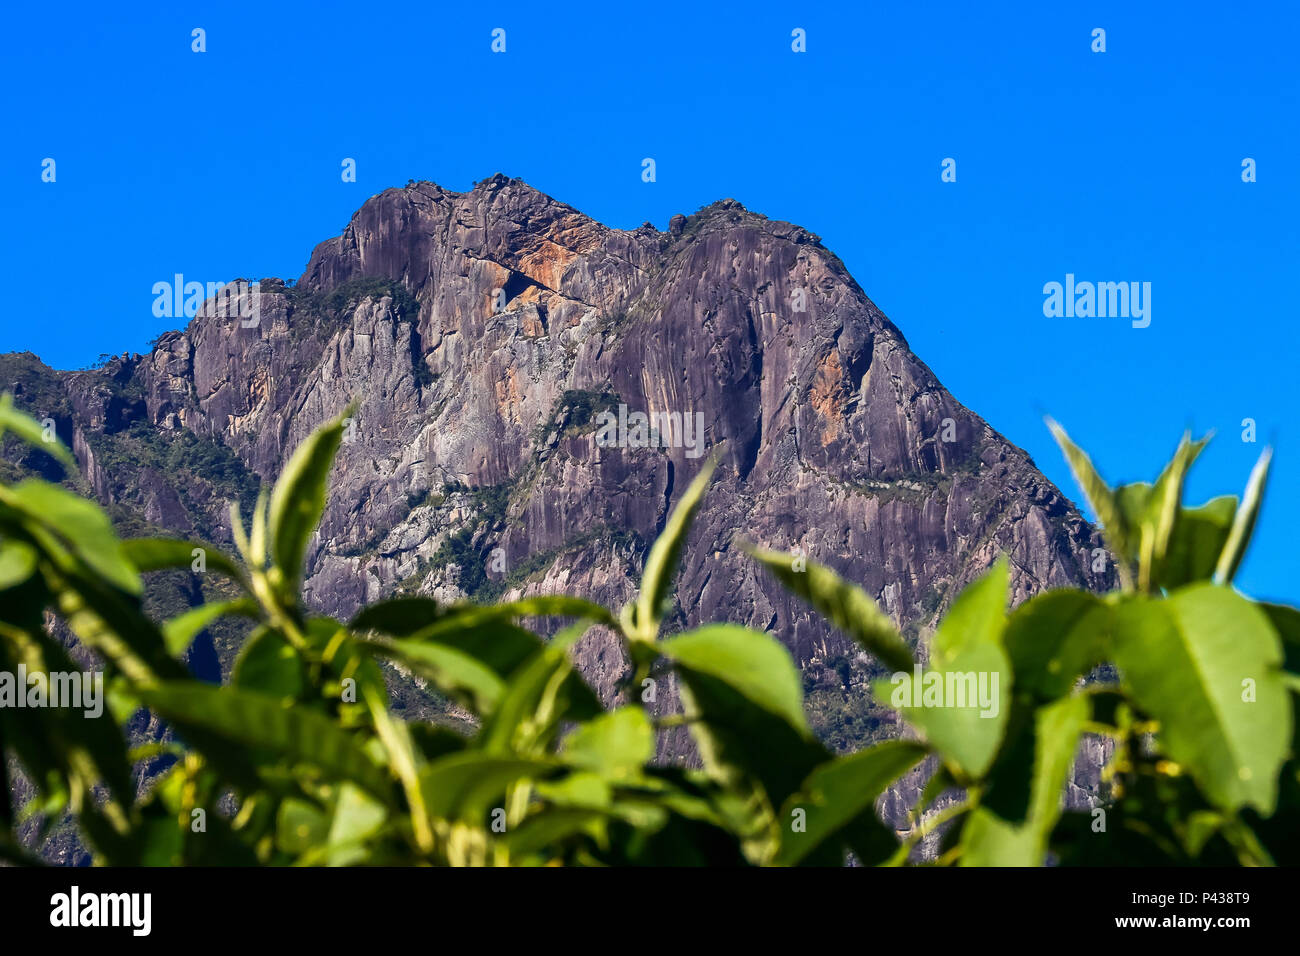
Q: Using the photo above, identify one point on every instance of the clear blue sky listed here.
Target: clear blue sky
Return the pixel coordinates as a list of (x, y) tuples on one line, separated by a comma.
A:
[(1117, 166)]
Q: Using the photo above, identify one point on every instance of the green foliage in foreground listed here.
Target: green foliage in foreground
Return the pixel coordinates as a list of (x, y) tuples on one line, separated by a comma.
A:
[(300, 761)]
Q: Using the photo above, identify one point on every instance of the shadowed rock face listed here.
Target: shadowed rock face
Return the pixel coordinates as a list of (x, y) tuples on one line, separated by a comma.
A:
[(475, 425)]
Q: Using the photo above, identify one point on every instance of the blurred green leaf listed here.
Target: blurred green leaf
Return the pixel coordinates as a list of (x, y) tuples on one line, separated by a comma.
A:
[(180, 631), (976, 619), (32, 432), (742, 700), (268, 664), (1190, 661), (753, 663), (465, 786), (841, 792), (1243, 522), (544, 605), (1197, 542), (357, 818), (542, 832), (256, 720), (990, 840), (665, 555), (398, 616), (160, 554), (1167, 493), (1101, 499), (616, 745), (80, 744), (487, 634), (540, 694), (80, 526), (114, 624), (404, 760), (453, 672), (298, 500), (1286, 621), (967, 658), (17, 563), (494, 641), (581, 789), (300, 826), (1055, 638), (1162, 506)]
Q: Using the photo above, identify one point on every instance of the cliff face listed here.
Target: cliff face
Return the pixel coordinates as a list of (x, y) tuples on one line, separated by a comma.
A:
[(483, 333)]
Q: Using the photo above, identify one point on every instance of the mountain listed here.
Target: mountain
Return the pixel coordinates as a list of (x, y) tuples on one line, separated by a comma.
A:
[(484, 334)]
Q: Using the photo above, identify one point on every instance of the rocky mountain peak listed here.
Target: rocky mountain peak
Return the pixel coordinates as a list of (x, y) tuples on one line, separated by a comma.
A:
[(485, 333)]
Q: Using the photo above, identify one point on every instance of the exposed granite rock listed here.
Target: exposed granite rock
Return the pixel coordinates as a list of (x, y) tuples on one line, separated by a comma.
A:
[(479, 332)]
